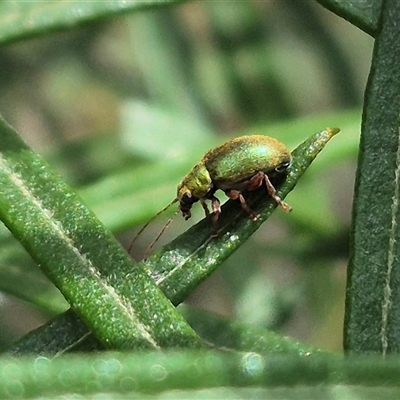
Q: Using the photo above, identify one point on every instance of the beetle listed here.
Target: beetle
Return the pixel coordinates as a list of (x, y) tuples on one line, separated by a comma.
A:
[(241, 164)]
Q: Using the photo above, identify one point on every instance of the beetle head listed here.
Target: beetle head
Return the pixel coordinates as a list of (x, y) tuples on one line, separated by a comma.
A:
[(195, 186), (186, 201)]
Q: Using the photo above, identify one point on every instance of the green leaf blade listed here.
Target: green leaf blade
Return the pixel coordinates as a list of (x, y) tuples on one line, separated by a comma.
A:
[(80, 256), (154, 372), (362, 13), (372, 304), (200, 254), (21, 20)]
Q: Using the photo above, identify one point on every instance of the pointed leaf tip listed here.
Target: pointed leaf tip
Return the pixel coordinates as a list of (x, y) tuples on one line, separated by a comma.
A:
[(332, 131)]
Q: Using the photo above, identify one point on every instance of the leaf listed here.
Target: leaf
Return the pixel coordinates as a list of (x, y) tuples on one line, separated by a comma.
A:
[(236, 335), (195, 250), (129, 374), (362, 13), (80, 257), (21, 20), (372, 316)]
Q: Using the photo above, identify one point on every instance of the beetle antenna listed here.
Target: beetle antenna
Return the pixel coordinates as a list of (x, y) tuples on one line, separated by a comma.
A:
[(164, 228), (150, 221)]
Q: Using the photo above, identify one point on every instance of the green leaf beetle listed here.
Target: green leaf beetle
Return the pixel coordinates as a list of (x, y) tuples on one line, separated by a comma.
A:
[(239, 165)]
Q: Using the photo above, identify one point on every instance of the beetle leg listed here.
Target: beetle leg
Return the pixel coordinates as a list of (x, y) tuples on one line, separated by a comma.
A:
[(205, 207), (255, 181), (272, 193), (216, 207), (186, 214), (235, 195)]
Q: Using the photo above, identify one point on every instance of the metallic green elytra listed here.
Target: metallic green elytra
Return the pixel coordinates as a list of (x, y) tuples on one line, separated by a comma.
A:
[(241, 164)]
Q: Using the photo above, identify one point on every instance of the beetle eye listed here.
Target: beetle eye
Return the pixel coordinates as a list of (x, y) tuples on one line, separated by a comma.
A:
[(282, 167)]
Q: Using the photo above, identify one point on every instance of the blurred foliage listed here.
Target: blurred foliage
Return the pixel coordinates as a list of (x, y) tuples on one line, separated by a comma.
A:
[(124, 107)]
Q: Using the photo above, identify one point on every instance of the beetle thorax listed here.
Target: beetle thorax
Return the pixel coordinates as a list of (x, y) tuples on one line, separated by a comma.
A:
[(197, 183)]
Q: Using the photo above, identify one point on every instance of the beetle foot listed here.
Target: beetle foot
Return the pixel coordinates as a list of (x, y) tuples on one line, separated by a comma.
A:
[(254, 216), (285, 207)]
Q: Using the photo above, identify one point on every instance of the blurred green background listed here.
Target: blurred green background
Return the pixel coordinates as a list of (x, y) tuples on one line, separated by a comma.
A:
[(124, 107)]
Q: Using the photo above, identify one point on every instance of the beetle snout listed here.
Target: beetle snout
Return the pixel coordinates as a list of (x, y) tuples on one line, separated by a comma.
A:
[(185, 210), (185, 205)]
